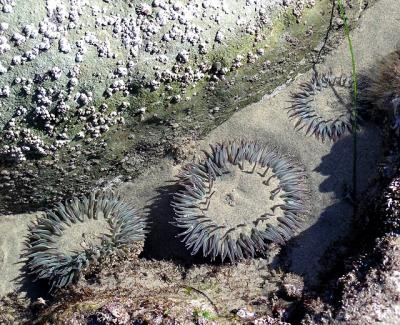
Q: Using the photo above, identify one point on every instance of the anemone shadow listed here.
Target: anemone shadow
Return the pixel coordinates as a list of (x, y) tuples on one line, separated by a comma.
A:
[(317, 249), (29, 286), (162, 241)]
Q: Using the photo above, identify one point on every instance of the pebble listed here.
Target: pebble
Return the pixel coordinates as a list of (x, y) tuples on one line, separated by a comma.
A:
[(243, 313)]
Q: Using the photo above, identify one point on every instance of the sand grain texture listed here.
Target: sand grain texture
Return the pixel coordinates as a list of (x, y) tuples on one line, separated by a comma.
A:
[(13, 231)]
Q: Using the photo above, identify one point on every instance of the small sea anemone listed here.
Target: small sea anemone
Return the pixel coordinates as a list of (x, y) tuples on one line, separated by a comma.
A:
[(79, 232), (241, 196), (330, 122), (380, 90)]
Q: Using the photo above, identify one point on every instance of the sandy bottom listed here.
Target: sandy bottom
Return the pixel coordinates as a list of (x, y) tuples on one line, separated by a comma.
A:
[(332, 102), (329, 168), (232, 203), (13, 229), (82, 235)]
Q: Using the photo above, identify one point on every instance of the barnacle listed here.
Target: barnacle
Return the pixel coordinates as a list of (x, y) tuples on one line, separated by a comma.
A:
[(330, 122), (63, 242), (241, 196)]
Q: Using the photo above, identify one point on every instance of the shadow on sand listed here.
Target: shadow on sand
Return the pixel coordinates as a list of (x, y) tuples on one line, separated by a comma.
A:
[(28, 286), (162, 241), (316, 249)]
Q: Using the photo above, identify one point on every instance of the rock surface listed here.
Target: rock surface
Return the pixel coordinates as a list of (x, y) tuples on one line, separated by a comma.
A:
[(68, 66), (59, 116), (285, 285)]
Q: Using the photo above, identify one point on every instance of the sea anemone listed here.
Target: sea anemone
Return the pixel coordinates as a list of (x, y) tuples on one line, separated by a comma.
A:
[(75, 234), (380, 89), (241, 196), (316, 119)]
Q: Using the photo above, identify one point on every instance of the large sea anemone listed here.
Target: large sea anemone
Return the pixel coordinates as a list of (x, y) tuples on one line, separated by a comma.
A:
[(242, 196), (380, 89), (73, 235), (324, 120)]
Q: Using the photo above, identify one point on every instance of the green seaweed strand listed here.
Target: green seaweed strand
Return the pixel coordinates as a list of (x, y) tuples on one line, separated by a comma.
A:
[(355, 93)]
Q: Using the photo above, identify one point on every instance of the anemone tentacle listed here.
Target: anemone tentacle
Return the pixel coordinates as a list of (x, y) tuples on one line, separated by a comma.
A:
[(248, 234), (307, 116), (46, 260)]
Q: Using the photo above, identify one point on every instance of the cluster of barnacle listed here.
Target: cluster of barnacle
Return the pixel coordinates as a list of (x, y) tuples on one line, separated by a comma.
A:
[(26, 142), (188, 76), (53, 110), (53, 107), (307, 115), (179, 73), (236, 240), (50, 115), (46, 259)]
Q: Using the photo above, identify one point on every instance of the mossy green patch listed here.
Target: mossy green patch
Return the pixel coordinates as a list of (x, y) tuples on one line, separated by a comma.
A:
[(205, 314)]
